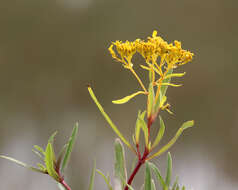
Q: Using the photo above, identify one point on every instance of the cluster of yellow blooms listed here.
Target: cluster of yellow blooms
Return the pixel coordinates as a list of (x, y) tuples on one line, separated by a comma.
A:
[(160, 56), (151, 49)]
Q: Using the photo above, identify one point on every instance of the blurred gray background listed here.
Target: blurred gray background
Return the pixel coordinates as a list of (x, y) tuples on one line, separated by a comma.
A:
[(50, 50)]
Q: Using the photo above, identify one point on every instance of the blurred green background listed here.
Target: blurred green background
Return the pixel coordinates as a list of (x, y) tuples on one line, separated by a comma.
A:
[(50, 50)]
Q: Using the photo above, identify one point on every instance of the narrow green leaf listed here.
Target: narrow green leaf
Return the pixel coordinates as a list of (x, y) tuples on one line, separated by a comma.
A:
[(127, 98), (120, 165), (163, 89), (139, 122), (41, 167), (153, 185), (39, 149), (147, 177), (174, 75), (169, 170), (175, 184), (105, 179), (91, 184), (157, 174), (112, 125), (49, 162), (21, 163), (38, 154), (137, 128), (171, 84), (51, 139), (160, 133), (69, 147), (185, 125), (183, 188), (150, 101), (144, 128)]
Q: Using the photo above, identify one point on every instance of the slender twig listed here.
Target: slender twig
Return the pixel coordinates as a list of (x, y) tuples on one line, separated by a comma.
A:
[(65, 185), (138, 79)]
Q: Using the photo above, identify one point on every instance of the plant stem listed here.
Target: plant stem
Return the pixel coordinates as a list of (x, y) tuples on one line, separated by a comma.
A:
[(65, 185), (141, 160)]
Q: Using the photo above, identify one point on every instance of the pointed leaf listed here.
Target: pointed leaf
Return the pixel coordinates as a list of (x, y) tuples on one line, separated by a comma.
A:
[(39, 149), (169, 170), (173, 140), (138, 125), (41, 167), (143, 126), (38, 154), (51, 139), (70, 147), (147, 177), (105, 179), (127, 98), (175, 184), (150, 101), (21, 163), (49, 162), (153, 185), (157, 174), (91, 184), (174, 75), (120, 165), (160, 133), (112, 125), (170, 84), (163, 89)]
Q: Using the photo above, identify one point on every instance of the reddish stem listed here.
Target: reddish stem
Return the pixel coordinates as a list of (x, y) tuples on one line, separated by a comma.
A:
[(65, 185), (141, 160)]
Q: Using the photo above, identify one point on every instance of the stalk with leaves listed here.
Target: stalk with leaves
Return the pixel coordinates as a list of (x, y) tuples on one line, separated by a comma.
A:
[(161, 60)]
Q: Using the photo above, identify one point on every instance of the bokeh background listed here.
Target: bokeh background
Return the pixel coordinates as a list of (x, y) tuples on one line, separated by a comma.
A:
[(50, 50)]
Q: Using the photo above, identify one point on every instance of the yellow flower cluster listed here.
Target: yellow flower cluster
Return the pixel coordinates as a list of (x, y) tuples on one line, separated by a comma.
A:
[(154, 47)]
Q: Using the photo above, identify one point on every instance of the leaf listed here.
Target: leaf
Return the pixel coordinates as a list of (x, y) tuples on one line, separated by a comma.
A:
[(157, 174), (120, 165), (51, 139), (38, 154), (174, 75), (127, 98), (175, 184), (185, 125), (138, 125), (160, 133), (91, 184), (39, 149), (143, 125), (150, 101), (170, 84), (70, 147), (21, 163), (49, 162), (169, 170), (41, 167), (147, 177), (112, 125), (163, 89), (105, 179), (153, 185)]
